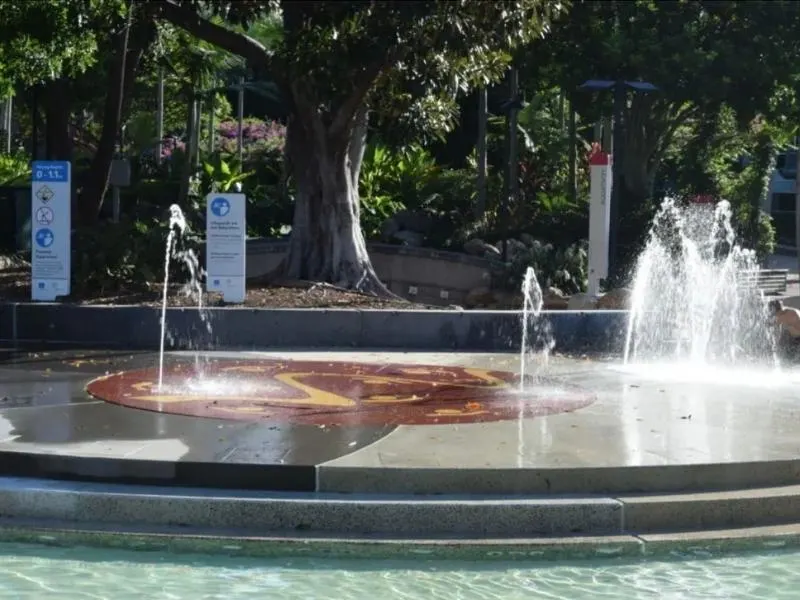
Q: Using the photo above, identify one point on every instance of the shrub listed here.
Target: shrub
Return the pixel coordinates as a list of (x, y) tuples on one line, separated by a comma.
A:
[(563, 267), (15, 169), (126, 255)]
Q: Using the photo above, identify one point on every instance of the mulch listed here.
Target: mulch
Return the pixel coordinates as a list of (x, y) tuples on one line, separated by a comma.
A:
[(15, 286)]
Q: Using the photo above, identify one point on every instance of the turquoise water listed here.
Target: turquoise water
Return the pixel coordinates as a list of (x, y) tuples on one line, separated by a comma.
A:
[(28, 572)]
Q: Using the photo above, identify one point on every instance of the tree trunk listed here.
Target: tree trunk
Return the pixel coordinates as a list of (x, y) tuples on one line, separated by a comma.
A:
[(327, 243), (58, 143), (763, 165), (121, 78), (188, 165)]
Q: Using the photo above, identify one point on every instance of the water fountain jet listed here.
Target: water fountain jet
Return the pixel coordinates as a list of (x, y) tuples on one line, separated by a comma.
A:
[(694, 299)]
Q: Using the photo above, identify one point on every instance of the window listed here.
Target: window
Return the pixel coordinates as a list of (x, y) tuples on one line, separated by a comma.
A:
[(782, 202)]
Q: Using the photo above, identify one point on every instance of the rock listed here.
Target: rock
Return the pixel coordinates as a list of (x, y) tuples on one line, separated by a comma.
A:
[(406, 220), (413, 221), (617, 299), (480, 296), (508, 300), (554, 299), (581, 302), (478, 247), (514, 249), (409, 238), (388, 228)]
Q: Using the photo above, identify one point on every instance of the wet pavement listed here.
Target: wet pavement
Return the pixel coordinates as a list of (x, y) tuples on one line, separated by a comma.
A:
[(609, 418), (44, 408)]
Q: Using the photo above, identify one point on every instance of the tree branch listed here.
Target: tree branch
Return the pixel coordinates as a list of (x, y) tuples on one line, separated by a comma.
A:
[(240, 44), (347, 113)]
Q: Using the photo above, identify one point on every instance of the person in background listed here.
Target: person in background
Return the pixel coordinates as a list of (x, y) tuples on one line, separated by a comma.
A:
[(788, 320)]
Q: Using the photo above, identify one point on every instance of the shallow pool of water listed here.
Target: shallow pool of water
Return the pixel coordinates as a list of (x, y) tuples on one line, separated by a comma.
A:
[(28, 572)]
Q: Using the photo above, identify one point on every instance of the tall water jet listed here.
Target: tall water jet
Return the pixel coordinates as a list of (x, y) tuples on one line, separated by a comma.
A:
[(194, 290), (177, 226), (532, 302), (694, 296), (537, 338)]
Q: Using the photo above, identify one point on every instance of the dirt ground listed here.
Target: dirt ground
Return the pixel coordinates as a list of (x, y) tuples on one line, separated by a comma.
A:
[(15, 287)]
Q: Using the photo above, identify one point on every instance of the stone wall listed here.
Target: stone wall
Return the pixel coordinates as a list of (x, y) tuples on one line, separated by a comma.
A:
[(138, 328), (419, 274)]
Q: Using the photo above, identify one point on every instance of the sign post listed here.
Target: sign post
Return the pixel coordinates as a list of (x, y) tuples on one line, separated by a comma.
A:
[(51, 208), (226, 231), (599, 217)]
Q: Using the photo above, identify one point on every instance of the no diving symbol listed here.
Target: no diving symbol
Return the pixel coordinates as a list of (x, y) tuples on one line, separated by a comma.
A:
[(44, 216)]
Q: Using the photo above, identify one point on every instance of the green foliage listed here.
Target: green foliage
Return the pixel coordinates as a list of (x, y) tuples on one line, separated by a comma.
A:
[(43, 40), (15, 169), (392, 181), (564, 267), (111, 257), (220, 176), (766, 236), (413, 57), (410, 179)]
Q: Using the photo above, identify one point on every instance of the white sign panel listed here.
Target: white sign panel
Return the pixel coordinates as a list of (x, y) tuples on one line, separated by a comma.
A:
[(50, 230), (226, 231)]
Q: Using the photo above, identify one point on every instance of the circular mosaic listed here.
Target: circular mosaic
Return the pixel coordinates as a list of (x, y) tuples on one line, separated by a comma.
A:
[(337, 393)]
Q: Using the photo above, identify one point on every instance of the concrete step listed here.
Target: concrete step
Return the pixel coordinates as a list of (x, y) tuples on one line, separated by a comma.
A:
[(711, 510), (404, 516), (414, 516)]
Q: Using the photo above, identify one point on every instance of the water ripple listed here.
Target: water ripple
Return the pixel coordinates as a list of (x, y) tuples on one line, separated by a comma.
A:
[(30, 572)]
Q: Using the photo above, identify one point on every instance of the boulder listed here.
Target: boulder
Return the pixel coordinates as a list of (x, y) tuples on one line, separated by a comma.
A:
[(413, 220), (507, 300), (554, 299), (409, 238), (480, 296), (406, 220), (477, 247), (515, 249), (582, 302), (616, 299)]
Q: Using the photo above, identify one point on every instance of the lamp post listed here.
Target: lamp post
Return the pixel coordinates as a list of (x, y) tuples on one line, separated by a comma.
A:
[(511, 107), (620, 89)]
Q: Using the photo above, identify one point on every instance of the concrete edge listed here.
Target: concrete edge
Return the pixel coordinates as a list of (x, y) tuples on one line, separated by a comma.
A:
[(288, 515), (431, 481), (576, 480), (237, 543), (175, 474), (138, 327)]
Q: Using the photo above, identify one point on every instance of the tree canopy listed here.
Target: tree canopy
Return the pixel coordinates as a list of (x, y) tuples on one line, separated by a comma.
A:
[(42, 40), (337, 60)]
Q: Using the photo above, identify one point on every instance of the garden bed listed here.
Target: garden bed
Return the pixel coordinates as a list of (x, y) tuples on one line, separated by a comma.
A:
[(15, 286)]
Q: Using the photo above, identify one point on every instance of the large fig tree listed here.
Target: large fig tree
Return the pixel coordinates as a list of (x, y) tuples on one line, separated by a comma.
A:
[(333, 60)]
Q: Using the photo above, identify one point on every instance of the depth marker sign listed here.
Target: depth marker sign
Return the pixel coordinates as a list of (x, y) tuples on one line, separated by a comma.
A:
[(50, 230)]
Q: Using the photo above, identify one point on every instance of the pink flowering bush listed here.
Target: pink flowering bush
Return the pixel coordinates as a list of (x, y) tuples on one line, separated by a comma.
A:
[(170, 146), (257, 137)]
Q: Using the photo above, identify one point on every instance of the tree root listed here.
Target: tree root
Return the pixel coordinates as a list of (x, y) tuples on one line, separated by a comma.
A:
[(368, 285)]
